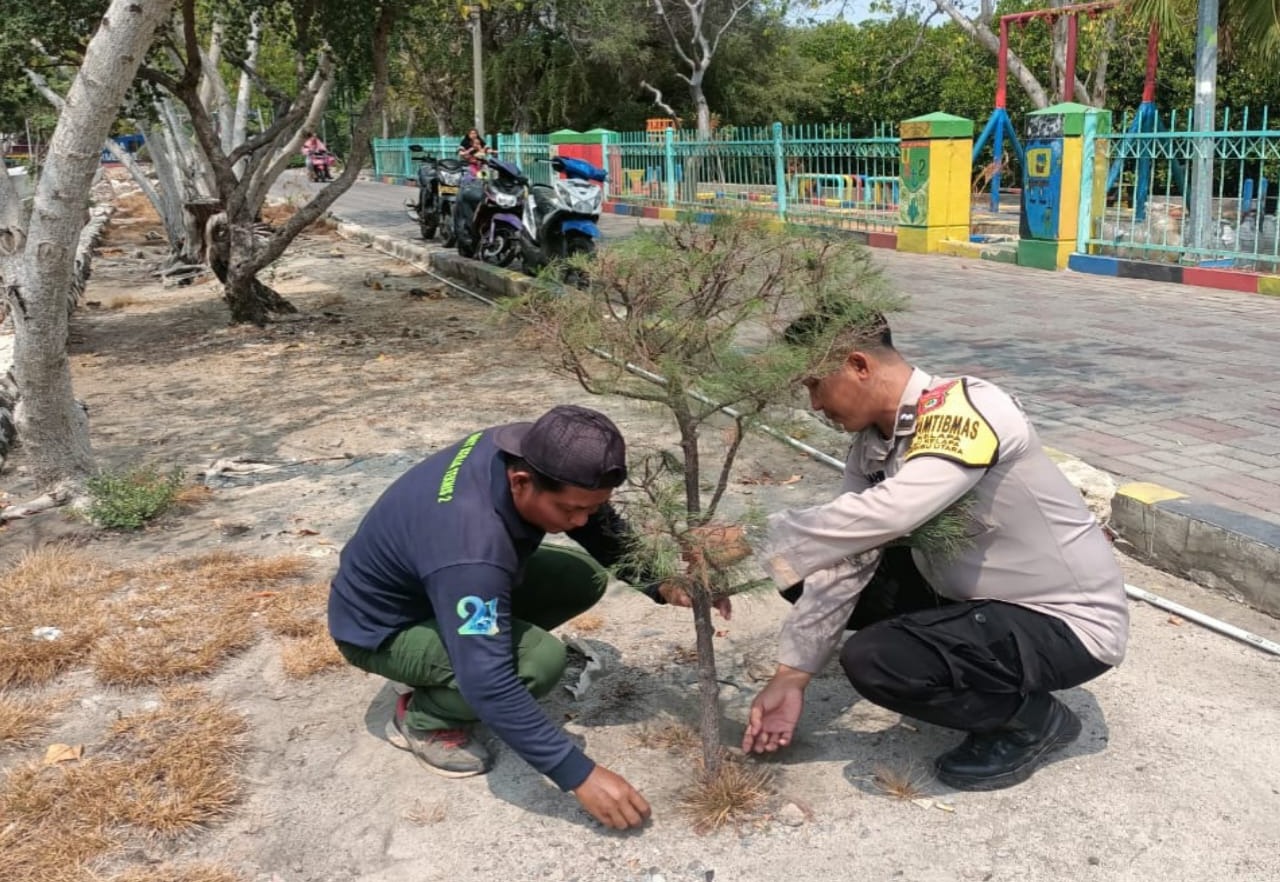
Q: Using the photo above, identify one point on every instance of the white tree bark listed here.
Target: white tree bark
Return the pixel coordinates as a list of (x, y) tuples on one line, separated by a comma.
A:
[(245, 90), (696, 42), (37, 264)]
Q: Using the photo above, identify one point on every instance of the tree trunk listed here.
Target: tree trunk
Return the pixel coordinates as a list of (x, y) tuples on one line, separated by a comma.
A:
[(708, 683), (38, 267), (185, 242), (231, 251), (253, 45)]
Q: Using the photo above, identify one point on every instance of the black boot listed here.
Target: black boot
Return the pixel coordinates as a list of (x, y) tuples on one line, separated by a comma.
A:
[(1008, 755)]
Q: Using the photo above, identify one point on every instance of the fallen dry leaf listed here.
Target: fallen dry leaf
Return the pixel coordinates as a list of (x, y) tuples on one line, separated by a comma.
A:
[(1175, 620), (63, 753)]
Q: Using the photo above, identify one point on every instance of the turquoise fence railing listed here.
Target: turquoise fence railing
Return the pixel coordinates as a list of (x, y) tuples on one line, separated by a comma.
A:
[(525, 151), (1149, 212), (812, 174), (391, 156)]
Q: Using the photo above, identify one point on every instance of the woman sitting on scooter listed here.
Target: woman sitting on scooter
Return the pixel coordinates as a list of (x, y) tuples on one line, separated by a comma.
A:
[(473, 150)]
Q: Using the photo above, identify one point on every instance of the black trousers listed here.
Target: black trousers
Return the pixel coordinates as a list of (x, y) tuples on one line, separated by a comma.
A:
[(965, 665)]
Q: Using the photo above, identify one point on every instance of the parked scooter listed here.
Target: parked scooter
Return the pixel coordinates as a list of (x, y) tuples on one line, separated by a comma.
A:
[(486, 218), (560, 217), (438, 183), (320, 166)]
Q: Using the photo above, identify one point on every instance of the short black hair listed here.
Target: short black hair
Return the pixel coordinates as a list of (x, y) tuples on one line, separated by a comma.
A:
[(541, 482), (870, 331)]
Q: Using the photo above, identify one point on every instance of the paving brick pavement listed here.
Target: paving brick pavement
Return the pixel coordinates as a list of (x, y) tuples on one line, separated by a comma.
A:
[(1172, 384)]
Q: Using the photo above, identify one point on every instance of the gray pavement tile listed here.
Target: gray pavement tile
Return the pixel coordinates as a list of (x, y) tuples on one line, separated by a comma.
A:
[(1248, 462)]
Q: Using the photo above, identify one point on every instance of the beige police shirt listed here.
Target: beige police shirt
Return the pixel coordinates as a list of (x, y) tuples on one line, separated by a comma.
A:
[(1033, 542)]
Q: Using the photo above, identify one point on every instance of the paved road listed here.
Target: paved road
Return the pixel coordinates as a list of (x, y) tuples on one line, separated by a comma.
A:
[(1172, 384)]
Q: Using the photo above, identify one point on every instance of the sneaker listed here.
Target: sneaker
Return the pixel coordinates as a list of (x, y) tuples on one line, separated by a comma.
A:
[(1008, 756), (452, 753)]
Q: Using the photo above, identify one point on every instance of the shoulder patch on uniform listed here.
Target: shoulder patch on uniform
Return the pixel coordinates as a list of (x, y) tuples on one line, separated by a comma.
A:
[(949, 426)]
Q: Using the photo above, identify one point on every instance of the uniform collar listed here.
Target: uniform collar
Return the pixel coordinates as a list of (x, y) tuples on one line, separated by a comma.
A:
[(917, 383)]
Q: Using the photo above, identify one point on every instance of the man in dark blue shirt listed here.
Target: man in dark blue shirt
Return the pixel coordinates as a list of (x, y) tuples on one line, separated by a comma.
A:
[(445, 588)]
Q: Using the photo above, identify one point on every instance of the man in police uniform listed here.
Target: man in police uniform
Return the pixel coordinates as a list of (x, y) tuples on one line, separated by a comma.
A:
[(1032, 603), (445, 588)]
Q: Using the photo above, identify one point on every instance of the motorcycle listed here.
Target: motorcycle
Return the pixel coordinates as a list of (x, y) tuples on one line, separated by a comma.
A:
[(321, 165), (438, 183), (560, 217), (485, 218)]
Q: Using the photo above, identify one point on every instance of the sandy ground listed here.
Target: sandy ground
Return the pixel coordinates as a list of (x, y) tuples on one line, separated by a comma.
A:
[(1177, 774)]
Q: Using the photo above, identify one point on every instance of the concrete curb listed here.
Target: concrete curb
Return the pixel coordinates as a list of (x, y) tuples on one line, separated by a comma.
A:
[(1207, 277), (494, 281), (1214, 546), (1233, 552)]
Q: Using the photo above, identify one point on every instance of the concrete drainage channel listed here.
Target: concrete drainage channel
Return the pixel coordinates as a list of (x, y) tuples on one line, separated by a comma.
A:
[(1205, 543)]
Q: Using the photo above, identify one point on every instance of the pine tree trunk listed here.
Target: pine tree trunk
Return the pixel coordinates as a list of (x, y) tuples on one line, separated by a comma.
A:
[(708, 684)]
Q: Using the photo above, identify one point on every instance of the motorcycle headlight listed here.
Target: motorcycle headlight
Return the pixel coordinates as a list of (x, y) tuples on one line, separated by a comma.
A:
[(587, 204), (504, 200)]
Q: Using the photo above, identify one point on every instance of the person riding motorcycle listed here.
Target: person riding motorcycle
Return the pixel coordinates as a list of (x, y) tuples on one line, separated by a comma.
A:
[(311, 146)]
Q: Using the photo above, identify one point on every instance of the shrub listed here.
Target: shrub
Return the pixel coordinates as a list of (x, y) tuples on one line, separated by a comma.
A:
[(127, 500)]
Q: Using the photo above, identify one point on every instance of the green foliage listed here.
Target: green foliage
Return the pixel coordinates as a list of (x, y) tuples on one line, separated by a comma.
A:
[(127, 500), (947, 533), (706, 308)]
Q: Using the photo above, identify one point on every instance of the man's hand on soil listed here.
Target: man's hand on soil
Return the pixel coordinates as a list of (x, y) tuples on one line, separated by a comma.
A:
[(611, 800)]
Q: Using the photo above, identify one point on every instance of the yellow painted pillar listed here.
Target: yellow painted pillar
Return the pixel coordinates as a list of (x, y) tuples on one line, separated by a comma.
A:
[(1054, 177), (933, 204)]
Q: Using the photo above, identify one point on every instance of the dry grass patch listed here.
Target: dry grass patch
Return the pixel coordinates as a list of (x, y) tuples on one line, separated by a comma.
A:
[(159, 772), (672, 736), (24, 719), (736, 794), (59, 591), (297, 614), (192, 495), (899, 784), (423, 814), (304, 656), (184, 618)]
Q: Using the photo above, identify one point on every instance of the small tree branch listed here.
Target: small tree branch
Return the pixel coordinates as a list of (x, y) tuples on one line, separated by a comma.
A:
[(658, 100)]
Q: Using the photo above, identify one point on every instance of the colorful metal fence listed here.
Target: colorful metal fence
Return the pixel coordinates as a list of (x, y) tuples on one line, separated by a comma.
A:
[(1149, 211), (811, 174), (815, 174)]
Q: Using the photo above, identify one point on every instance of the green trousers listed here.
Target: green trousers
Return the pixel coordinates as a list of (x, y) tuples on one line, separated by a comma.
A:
[(558, 584)]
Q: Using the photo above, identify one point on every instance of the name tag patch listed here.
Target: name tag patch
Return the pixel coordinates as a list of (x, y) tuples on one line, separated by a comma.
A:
[(949, 426)]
